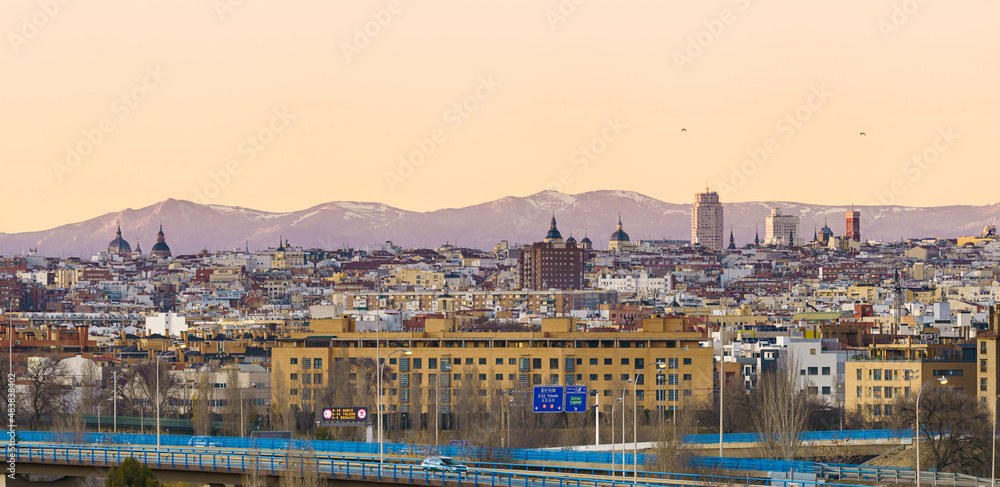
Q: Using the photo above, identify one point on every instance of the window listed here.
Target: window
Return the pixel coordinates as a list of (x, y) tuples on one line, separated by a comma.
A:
[(878, 374), (458, 361), (294, 392), (570, 379), (877, 391), (812, 351), (570, 364), (307, 378), (318, 378), (813, 370), (553, 378), (640, 395), (499, 361), (624, 361), (859, 390), (640, 379), (625, 377), (687, 361), (317, 363), (607, 361), (672, 363), (306, 364), (554, 363), (639, 363), (982, 366), (687, 377), (512, 361), (826, 370), (482, 376), (482, 361), (536, 363), (859, 374), (404, 364), (593, 361), (672, 379), (813, 390), (445, 364), (802, 372), (982, 347), (404, 395), (949, 373), (417, 363), (295, 377), (432, 363), (536, 379), (592, 378), (524, 364), (687, 392), (392, 361), (888, 393), (826, 390), (607, 377), (888, 374), (660, 395), (498, 377), (672, 395), (294, 361), (888, 409), (404, 380), (983, 384)]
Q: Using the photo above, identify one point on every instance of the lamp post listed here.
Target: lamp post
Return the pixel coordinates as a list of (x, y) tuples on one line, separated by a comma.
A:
[(942, 380), (673, 415), (624, 388), (242, 428), (381, 454), (597, 418), (613, 443), (142, 416), (722, 379), (993, 463), (158, 357), (99, 413), (635, 419)]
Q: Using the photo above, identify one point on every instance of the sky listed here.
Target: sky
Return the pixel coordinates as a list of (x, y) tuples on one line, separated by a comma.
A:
[(423, 105)]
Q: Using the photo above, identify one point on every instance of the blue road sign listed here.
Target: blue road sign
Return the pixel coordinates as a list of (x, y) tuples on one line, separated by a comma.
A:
[(576, 399), (548, 399)]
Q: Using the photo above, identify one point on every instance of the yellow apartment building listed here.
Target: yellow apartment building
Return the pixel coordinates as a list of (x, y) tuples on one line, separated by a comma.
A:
[(876, 376), (558, 354)]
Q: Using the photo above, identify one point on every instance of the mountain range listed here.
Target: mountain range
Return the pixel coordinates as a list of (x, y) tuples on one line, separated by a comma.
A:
[(191, 227)]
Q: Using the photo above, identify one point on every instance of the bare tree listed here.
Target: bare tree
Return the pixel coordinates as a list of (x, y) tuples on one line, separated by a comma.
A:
[(47, 393), (282, 417), (201, 403), (234, 406), (253, 476), (780, 410), (954, 427), (300, 470)]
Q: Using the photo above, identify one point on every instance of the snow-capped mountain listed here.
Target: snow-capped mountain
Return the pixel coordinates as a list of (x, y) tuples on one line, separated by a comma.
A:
[(191, 227)]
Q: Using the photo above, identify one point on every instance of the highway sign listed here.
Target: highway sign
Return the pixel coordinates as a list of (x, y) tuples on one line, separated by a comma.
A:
[(344, 416), (576, 399), (548, 399)]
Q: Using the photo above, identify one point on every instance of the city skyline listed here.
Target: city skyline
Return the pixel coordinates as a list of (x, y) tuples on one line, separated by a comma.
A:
[(203, 102)]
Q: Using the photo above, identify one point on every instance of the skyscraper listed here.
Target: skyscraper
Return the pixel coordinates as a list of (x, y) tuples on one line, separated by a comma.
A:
[(706, 220), (781, 229), (854, 224)]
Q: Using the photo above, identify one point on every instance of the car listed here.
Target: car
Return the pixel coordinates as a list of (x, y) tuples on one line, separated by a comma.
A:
[(204, 441), (444, 464)]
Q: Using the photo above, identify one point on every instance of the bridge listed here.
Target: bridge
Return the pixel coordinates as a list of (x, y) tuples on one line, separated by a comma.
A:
[(75, 456)]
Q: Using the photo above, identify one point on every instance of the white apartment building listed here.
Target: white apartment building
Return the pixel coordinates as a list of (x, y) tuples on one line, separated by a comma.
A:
[(707, 220)]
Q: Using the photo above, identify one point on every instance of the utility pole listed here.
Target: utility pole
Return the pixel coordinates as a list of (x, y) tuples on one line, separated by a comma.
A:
[(114, 379)]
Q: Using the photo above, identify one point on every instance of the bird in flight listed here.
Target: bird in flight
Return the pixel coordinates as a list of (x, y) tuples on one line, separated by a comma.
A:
[(684, 130), (862, 133)]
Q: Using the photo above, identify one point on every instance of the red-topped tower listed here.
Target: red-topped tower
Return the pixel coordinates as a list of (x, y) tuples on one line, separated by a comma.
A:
[(854, 224)]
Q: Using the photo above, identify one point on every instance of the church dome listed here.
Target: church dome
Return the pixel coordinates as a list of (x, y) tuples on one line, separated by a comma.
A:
[(160, 249), (553, 235), (619, 240), (119, 246), (571, 240)]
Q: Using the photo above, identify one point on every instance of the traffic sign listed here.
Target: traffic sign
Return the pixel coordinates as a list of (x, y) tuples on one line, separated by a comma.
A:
[(548, 399), (576, 399), (344, 416)]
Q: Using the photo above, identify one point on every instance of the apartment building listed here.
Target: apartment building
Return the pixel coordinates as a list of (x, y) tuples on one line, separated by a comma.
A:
[(876, 376), (443, 358)]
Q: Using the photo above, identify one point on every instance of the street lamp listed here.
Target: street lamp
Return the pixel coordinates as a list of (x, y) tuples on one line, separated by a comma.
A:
[(597, 418), (635, 420), (993, 463), (381, 366), (613, 443), (942, 380), (624, 388), (158, 357), (673, 415), (242, 429), (508, 403), (99, 413)]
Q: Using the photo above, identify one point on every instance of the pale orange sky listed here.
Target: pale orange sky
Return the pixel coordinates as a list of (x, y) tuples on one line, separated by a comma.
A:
[(226, 76)]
